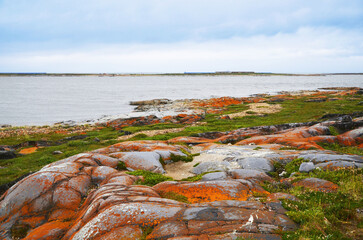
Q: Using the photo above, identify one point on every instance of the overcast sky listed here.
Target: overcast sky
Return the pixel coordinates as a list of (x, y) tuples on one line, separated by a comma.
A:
[(300, 36)]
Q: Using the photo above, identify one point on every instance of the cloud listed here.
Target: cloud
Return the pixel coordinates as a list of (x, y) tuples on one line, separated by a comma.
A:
[(181, 35), (308, 50)]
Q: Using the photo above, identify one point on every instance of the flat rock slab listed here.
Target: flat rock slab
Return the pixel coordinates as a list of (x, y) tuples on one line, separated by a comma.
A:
[(256, 163), (317, 184), (323, 157), (214, 176), (250, 174), (336, 165)]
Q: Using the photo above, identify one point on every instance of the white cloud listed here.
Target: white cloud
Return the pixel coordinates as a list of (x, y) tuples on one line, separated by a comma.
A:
[(307, 50)]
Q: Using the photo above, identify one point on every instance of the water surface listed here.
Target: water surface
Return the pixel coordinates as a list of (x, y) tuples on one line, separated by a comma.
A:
[(34, 100)]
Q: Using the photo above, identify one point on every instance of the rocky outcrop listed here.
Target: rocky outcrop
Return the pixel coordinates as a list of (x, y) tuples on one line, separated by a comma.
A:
[(85, 197)]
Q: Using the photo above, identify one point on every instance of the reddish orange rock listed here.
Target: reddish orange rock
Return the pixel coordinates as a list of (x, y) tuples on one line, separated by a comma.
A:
[(317, 184), (168, 229), (124, 233), (207, 191), (28, 150), (48, 231)]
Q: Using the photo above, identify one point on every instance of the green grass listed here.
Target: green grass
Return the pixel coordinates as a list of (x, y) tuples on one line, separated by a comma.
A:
[(292, 111), (333, 131), (342, 149), (177, 158), (150, 178), (158, 126), (174, 196), (324, 215), (17, 167), (294, 166)]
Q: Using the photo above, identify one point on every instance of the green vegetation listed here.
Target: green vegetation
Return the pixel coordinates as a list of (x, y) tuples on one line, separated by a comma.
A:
[(146, 230), (293, 166), (17, 167), (342, 149), (174, 196), (296, 110), (121, 166), (150, 178), (333, 131), (177, 158), (324, 215), (157, 126)]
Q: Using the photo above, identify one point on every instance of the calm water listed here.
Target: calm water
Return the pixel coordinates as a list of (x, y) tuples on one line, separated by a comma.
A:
[(46, 100)]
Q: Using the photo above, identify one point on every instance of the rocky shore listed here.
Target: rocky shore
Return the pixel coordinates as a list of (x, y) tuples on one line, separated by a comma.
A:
[(245, 183)]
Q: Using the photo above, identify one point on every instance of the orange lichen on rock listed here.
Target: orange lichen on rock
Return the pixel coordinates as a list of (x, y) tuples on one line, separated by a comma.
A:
[(48, 231), (217, 102), (28, 150), (207, 191), (317, 184)]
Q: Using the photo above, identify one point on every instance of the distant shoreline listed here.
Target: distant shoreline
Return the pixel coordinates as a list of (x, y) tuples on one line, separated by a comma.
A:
[(170, 74)]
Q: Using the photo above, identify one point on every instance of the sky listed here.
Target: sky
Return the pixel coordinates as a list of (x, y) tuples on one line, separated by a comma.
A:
[(165, 36)]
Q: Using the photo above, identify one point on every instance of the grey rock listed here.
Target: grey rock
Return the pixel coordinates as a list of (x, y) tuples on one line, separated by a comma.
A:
[(249, 174), (267, 228), (322, 157), (214, 176), (338, 164), (4, 154), (254, 163), (211, 166), (57, 152), (148, 161), (306, 167)]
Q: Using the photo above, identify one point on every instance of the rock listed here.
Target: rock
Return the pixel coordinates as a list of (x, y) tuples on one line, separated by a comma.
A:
[(208, 191), (57, 152), (335, 165), (51, 230), (146, 214), (125, 233), (125, 132), (210, 167), (273, 197), (96, 139), (306, 167), (323, 157), (250, 174), (168, 230), (317, 184), (7, 154), (148, 161), (255, 163), (214, 176)]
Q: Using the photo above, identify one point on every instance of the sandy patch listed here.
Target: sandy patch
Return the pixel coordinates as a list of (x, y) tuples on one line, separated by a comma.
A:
[(258, 109)]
